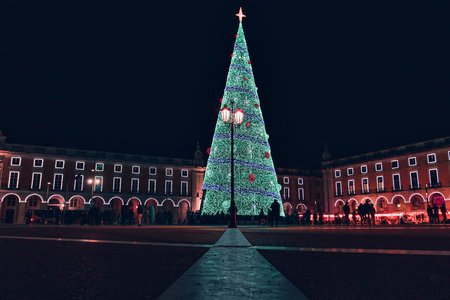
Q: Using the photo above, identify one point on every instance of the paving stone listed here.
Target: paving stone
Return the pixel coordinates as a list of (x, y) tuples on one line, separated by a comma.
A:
[(232, 270)]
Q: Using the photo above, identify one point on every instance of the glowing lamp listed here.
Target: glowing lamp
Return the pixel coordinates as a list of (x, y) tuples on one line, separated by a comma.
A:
[(239, 115), (225, 114)]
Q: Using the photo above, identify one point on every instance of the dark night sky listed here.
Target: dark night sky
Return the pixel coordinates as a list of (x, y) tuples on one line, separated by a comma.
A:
[(146, 77)]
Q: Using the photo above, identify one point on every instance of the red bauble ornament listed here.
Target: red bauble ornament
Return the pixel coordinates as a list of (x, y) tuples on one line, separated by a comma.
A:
[(220, 100), (248, 124), (208, 151), (245, 79), (249, 62), (266, 154), (251, 178), (256, 105), (231, 54), (235, 35)]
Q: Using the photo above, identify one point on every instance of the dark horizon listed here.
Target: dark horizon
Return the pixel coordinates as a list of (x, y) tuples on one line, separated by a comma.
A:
[(147, 78)]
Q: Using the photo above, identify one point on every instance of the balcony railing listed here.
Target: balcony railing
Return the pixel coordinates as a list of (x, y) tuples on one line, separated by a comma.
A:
[(414, 186), (435, 184)]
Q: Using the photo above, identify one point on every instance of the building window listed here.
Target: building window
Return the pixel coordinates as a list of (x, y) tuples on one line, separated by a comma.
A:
[(394, 164), (79, 165), (152, 186), (78, 183), (300, 181), (414, 180), (15, 161), (13, 182), (337, 173), (58, 182), (351, 187), (99, 167), (36, 181), (33, 201), (168, 189), (285, 180), (98, 183), (184, 173), (117, 184), (434, 178), (448, 155), (338, 188), (301, 194), (365, 185), (38, 162), (134, 185), (73, 202), (396, 182), (135, 169), (349, 171), (169, 172), (380, 184), (117, 168), (378, 167), (152, 171), (363, 169), (431, 158), (286, 193), (11, 201), (184, 188), (59, 164), (412, 161)]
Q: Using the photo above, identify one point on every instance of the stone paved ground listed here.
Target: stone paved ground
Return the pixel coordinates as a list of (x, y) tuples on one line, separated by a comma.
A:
[(321, 275), (135, 267)]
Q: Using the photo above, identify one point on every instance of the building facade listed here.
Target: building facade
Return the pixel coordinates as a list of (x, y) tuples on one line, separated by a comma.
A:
[(398, 181), (300, 190), (35, 177)]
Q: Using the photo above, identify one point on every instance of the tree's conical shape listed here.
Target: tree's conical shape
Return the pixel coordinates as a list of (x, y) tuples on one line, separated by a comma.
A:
[(256, 185)]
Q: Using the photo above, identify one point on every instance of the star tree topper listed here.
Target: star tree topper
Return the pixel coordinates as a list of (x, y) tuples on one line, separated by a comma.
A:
[(240, 15)]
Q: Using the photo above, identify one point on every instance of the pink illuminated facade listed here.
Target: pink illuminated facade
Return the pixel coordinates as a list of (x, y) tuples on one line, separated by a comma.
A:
[(398, 181)]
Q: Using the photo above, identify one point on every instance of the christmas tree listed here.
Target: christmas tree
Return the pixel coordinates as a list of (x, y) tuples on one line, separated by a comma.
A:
[(255, 179)]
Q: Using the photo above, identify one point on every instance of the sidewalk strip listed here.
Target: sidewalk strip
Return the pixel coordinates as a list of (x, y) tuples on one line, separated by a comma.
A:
[(104, 241), (232, 270), (352, 250)]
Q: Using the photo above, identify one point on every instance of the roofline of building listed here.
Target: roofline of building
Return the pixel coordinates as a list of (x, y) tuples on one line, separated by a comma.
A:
[(401, 150), (98, 155)]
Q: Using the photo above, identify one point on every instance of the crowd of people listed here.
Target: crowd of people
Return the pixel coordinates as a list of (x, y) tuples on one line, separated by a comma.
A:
[(363, 214), (433, 213), (127, 216)]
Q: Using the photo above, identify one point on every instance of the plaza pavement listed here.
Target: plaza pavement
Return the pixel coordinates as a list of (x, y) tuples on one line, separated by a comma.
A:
[(232, 270)]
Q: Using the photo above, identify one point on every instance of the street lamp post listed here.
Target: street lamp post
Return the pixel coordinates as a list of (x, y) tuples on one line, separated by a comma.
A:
[(93, 182), (237, 117), (48, 187)]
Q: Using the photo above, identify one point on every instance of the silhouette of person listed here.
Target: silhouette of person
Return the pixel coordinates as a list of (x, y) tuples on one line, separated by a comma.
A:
[(346, 209), (436, 214), (444, 213), (372, 214), (430, 214), (140, 211), (261, 217), (275, 207)]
